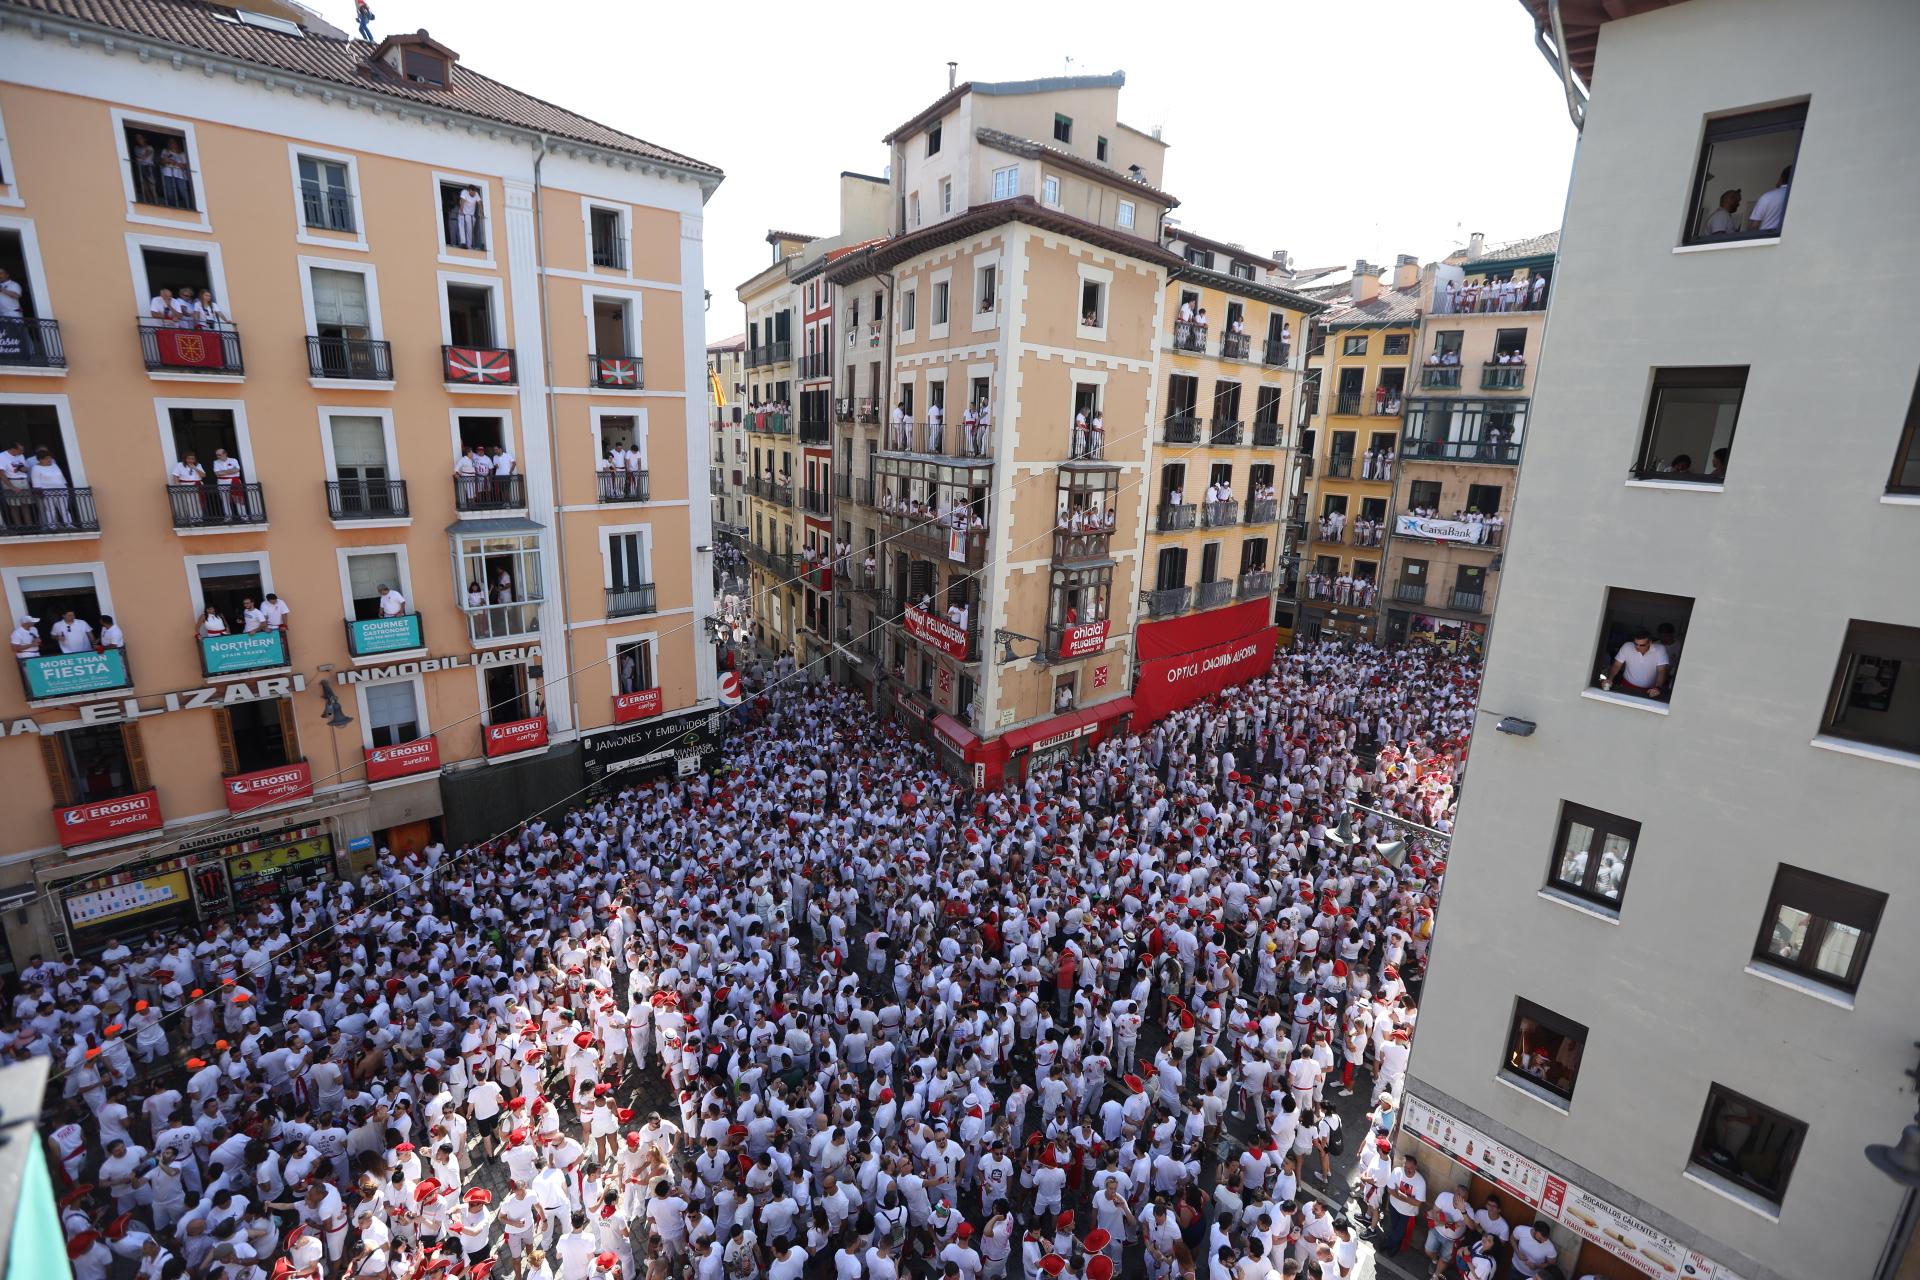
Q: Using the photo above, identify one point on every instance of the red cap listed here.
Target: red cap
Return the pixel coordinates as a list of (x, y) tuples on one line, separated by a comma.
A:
[(1097, 1239), (1065, 1219), (1100, 1267), (584, 1039), (479, 1195), (1053, 1264), (964, 1230), (427, 1190), (81, 1243)]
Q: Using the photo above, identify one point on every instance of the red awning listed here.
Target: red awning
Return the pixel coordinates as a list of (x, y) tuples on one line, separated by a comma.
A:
[(953, 731), (1083, 718)]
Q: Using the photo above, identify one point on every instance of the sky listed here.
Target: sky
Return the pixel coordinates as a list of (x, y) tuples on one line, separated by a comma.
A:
[(1337, 130)]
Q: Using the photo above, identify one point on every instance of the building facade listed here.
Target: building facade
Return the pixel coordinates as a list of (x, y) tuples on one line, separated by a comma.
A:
[(727, 480), (1669, 985), (772, 302), (381, 393)]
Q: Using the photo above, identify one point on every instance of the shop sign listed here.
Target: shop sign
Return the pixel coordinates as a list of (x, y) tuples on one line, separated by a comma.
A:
[(369, 636), (446, 662), (208, 697), (268, 786), (359, 844), (98, 906), (938, 632), (1061, 739), (249, 651), (60, 675), (638, 705), (1088, 637), (516, 735), (422, 755), (651, 742), (1167, 684), (105, 819), (1499, 1164), (1439, 530)]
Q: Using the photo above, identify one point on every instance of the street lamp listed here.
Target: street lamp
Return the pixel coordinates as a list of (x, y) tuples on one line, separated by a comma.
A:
[(1005, 640), (1901, 1161)]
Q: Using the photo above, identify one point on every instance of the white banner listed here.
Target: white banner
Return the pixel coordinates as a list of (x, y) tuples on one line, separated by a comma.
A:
[(1440, 530)]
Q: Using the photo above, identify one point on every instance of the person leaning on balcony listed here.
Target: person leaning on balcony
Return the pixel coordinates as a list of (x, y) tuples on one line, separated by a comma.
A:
[(210, 624), (226, 480), (252, 619), (73, 633), (111, 637), (464, 478), (634, 466), (15, 490), (164, 309), (392, 603), (1096, 434), (26, 636), (49, 485), (1640, 666), (275, 611)]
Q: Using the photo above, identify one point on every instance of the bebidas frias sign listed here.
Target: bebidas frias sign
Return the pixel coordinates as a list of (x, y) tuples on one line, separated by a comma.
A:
[(452, 661)]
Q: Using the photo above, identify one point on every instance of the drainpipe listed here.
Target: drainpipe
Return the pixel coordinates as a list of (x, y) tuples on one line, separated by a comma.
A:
[(553, 433), (1557, 58)]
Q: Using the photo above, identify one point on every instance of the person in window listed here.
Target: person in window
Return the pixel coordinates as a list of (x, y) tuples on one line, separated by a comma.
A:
[(209, 314), (635, 465), (466, 216), (26, 636), (1183, 324), (16, 494), (187, 311), (210, 624), (164, 309), (146, 170), (175, 188), (50, 489), (392, 603), (477, 610), (1079, 449), (276, 612), (503, 464), (1725, 218), (227, 483), (73, 633), (1718, 471), (1639, 667), (1771, 208), (111, 637), (251, 617)]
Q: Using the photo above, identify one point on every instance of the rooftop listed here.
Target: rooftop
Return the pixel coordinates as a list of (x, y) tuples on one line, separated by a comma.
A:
[(1028, 148), (1003, 88), (1540, 246), (1581, 20), (1392, 307), (738, 342), (314, 54)]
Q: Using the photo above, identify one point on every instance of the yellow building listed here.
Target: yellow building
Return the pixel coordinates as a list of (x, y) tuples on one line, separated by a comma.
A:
[(1361, 357), (410, 266), (772, 302)]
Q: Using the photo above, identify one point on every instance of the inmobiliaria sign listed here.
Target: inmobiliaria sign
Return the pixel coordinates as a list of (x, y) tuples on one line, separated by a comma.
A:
[(1087, 637), (938, 632), (269, 786), (422, 755), (638, 705), (516, 735), (106, 819)]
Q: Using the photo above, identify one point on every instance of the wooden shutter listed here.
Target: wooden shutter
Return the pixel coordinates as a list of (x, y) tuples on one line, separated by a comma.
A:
[(289, 730), (136, 756), (57, 777), (223, 729)]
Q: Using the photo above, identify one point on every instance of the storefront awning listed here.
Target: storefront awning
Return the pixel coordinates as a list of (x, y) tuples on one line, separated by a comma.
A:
[(953, 731), (1068, 723), (501, 524)]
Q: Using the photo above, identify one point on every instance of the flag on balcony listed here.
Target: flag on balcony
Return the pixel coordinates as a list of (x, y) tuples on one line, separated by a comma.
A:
[(719, 395), (479, 364), (616, 371), (194, 348)]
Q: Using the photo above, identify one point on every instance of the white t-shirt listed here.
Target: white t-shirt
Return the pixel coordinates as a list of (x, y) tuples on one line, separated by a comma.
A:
[(1642, 668), (275, 612), (75, 636), (10, 300), (392, 604), (1770, 208), (1407, 1192)]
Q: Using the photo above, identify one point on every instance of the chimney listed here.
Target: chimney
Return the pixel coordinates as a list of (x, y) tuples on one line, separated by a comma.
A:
[(1280, 256), (1366, 281), (1476, 245), (953, 69), (1406, 272)]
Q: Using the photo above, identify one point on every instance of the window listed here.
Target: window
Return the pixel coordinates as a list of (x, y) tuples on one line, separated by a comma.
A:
[(162, 170), (941, 290), (604, 226), (1749, 1144), (1354, 345), (1100, 149), (1093, 304), (633, 665), (326, 195), (1242, 270), (1050, 190), (470, 316), (1424, 495), (1641, 635), (908, 309), (1741, 183), (393, 713), (946, 195), (1484, 498), (1062, 128), (463, 222), (1906, 459), (1126, 213), (1201, 258), (423, 66), (913, 209), (1397, 344), (1690, 421), (1006, 182), (498, 584), (933, 141), (985, 282), (1876, 687), (257, 735), (367, 572), (94, 763), (1170, 572), (1592, 853), (1544, 1049), (1509, 342), (1446, 343), (1456, 430), (1818, 927)]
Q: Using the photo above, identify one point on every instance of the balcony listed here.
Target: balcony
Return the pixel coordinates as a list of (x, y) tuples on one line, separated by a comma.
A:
[(479, 366), (780, 491), (1263, 510), (1489, 298), (1172, 517), (1066, 641), (815, 431), (1502, 453), (933, 629), (1348, 402), (1235, 346), (1467, 601), (62, 675), (1326, 533), (367, 500), (490, 493), (1340, 466), (817, 364), (616, 373), (934, 538), (1268, 435), (371, 637), (200, 506), (863, 493), (1211, 595), (1410, 592), (843, 412), (610, 250), (1369, 537), (770, 422), (1254, 583), (44, 513), (503, 621), (350, 359), (211, 352), (1188, 336), (32, 344), (868, 414), (1182, 428), (1069, 547), (625, 486), (1277, 351), (1440, 377), (250, 651), (1218, 515), (1167, 601), (1306, 466), (630, 601), (816, 502), (1495, 376), (771, 353), (1225, 432)]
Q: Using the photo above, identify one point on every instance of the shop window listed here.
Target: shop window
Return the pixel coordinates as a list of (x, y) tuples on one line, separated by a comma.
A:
[(1747, 1143), (393, 713), (1592, 854), (256, 735), (1641, 637), (93, 763), (1818, 927), (1544, 1049), (1691, 415), (1876, 687), (1745, 171)]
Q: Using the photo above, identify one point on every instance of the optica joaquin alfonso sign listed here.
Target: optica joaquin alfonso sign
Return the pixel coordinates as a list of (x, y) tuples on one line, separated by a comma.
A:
[(422, 755), (105, 819), (269, 786)]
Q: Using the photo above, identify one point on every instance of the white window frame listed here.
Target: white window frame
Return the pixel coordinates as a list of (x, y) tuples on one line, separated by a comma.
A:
[(63, 413), (375, 329), (942, 328), (9, 176), (419, 705), (497, 305), (649, 638), (194, 585), (327, 412), (595, 415), (143, 289), (1012, 182), (946, 195), (242, 436), (625, 216), (309, 235), (121, 119), (448, 254), (987, 319), (908, 310), (635, 300), (913, 209), (608, 532), (17, 600), (42, 286), (399, 551), (536, 693), (1090, 274), (1127, 214), (1050, 191), (506, 420)]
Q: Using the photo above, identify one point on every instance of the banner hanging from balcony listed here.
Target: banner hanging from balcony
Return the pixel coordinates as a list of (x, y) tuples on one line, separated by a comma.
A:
[(248, 651), (1088, 637), (616, 371), (938, 632), (106, 819), (1440, 530), (1198, 630), (402, 759), (484, 365), (58, 675), (263, 787), (638, 705), (190, 348), (516, 735), (1168, 684)]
